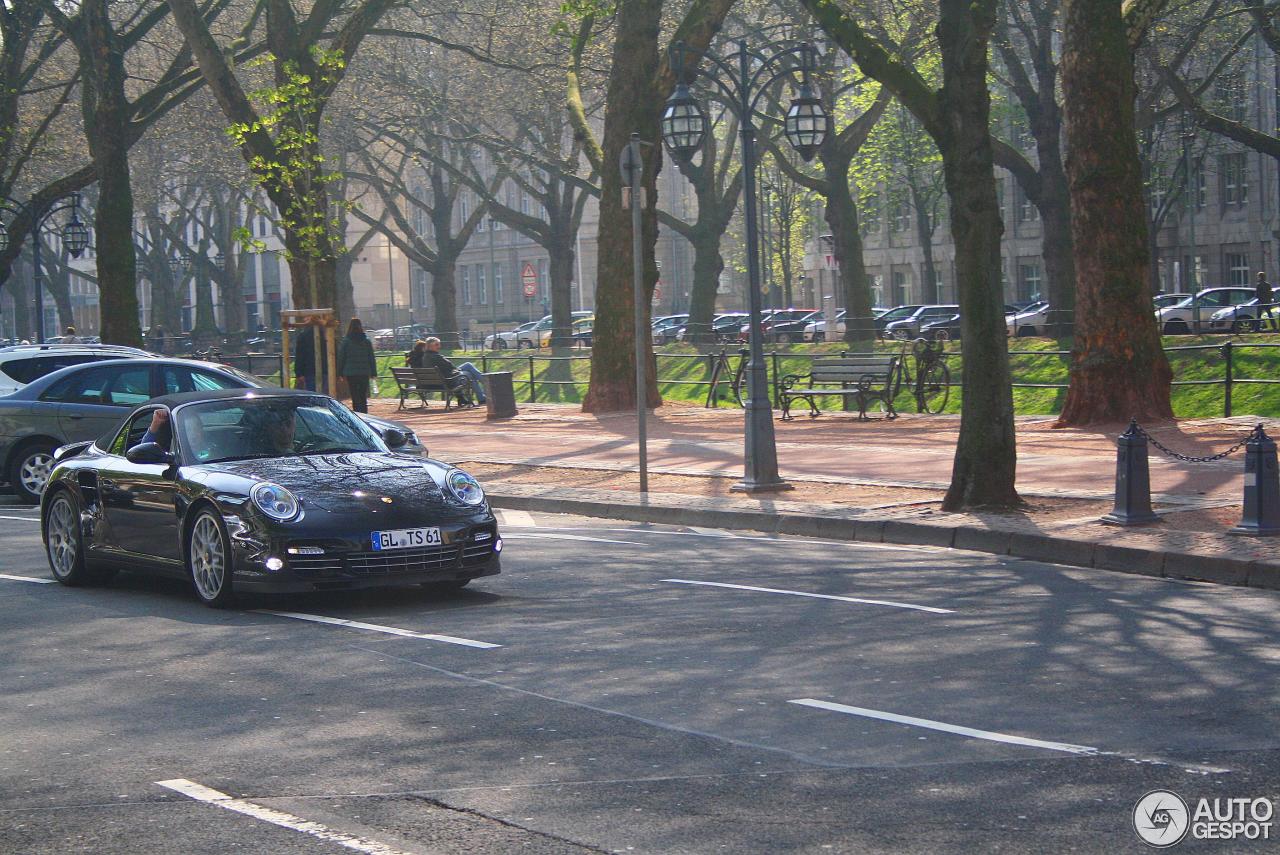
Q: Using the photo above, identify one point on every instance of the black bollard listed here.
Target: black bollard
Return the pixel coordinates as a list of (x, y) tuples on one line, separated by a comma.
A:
[(1133, 480), (1261, 487)]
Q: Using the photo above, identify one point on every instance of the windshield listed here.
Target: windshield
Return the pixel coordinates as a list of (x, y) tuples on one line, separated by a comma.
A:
[(899, 312), (245, 428)]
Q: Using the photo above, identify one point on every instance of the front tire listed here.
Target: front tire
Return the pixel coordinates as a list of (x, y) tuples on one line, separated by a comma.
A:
[(1176, 328), (209, 560), (63, 544), (30, 470), (500, 344)]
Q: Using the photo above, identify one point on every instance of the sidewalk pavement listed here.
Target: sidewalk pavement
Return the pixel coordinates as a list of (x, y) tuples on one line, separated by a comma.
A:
[(878, 481)]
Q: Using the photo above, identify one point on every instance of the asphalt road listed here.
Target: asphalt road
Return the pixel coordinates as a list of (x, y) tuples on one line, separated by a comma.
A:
[(929, 700)]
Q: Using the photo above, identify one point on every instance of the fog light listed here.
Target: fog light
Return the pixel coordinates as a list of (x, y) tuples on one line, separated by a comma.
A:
[(497, 545), (274, 563)]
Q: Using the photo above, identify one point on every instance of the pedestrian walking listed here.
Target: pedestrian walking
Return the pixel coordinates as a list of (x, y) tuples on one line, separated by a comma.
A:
[(1263, 291), (356, 363), (70, 336)]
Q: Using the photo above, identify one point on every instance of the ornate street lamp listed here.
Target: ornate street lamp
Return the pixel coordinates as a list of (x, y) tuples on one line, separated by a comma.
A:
[(742, 77), (74, 235)]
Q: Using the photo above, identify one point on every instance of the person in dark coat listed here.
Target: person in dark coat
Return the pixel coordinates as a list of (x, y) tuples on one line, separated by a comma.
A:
[(304, 359), (1262, 290), (356, 363), (416, 358), (458, 377)]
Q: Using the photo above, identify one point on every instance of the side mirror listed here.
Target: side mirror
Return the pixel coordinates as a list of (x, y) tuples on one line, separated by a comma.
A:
[(149, 452), (395, 438)]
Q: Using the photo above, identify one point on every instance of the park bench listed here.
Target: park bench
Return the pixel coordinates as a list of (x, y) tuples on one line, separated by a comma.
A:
[(421, 382), (863, 378)]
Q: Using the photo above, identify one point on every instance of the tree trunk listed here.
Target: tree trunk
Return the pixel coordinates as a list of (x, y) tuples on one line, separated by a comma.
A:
[(313, 280), (708, 265), (445, 298), (235, 319), (1118, 369), (986, 454), (560, 269), (846, 245), (924, 233), (344, 290), (1056, 244), (18, 284), (107, 113), (631, 106)]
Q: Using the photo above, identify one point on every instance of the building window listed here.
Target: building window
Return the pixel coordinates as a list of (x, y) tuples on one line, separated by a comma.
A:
[(1000, 197), (1237, 264), (1029, 283), (877, 290), (901, 216), (544, 284), (1231, 93), (901, 287), (871, 215), (481, 297), (1235, 183), (464, 206), (498, 296), (524, 203), (1197, 182), (466, 285), (1027, 212)]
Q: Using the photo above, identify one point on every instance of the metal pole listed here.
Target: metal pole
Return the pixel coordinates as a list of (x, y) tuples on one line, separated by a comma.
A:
[(760, 454), (493, 296), (633, 167), (37, 276), (391, 278)]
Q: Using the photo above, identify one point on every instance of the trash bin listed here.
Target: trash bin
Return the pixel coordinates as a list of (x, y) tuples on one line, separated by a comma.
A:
[(501, 391)]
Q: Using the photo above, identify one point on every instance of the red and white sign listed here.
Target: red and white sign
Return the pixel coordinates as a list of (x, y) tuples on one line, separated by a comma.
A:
[(529, 276)]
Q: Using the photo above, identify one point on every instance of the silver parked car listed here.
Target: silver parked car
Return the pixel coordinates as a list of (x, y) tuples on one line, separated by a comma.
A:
[(84, 402), (22, 363), (1194, 313)]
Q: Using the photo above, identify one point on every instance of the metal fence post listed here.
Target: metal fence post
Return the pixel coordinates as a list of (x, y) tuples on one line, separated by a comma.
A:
[(1227, 351), (484, 363), (533, 389)]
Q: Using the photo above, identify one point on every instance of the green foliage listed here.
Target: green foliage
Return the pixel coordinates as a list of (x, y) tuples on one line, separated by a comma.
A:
[(290, 113)]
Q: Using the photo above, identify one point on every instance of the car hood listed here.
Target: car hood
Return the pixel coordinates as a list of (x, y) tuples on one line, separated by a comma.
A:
[(341, 483)]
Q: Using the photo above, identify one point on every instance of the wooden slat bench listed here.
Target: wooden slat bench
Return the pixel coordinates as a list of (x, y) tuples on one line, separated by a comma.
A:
[(863, 378), (421, 382)]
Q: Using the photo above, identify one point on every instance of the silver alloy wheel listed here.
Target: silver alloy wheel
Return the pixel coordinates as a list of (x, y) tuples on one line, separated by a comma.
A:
[(63, 537), (33, 472), (208, 557)]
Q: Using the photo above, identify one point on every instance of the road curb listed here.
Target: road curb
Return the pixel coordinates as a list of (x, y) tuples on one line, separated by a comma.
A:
[(1217, 569)]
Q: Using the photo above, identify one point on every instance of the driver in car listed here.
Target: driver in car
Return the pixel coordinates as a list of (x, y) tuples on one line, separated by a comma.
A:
[(273, 429), (158, 431)]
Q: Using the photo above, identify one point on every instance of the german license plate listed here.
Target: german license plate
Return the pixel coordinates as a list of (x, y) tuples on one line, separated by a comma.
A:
[(405, 538)]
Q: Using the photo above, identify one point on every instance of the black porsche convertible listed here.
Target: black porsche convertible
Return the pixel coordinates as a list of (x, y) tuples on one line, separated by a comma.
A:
[(262, 491)]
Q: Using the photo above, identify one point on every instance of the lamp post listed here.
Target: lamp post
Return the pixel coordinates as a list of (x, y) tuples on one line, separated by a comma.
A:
[(75, 238), (391, 307), (742, 77), (1193, 202)]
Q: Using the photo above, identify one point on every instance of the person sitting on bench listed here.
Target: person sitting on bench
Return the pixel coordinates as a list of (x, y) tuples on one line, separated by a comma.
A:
[(456, 377)]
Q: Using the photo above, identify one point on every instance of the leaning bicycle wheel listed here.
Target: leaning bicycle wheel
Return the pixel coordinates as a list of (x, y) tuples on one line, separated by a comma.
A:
[(935, 389)]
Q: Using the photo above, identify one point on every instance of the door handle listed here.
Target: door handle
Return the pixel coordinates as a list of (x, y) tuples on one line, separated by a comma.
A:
[(75, 418)]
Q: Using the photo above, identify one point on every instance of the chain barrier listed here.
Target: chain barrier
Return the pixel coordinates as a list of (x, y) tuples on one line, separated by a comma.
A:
[(1186, 458)]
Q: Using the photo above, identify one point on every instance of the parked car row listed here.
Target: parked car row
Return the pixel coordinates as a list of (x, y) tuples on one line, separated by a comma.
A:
[(84, 401)]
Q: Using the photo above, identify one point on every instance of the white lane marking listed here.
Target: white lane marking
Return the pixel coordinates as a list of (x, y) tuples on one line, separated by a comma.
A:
[(22, 519), (723, 535), (374, 627), (706, 532), (943, 726), (528, 535), (814, 596), (204, 794), (520, 518), (27, 579)]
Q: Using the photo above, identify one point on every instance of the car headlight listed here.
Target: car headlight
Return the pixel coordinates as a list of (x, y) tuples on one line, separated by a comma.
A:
[(464, 488), (275, 501)]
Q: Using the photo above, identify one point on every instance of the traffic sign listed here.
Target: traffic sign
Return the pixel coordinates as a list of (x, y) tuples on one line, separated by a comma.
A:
[(529, 276)]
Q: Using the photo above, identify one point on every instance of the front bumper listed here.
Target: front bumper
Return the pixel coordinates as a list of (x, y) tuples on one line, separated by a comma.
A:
[(331, 564)]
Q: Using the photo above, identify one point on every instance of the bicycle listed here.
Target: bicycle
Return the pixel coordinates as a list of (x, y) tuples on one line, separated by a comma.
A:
[(933, 378)]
